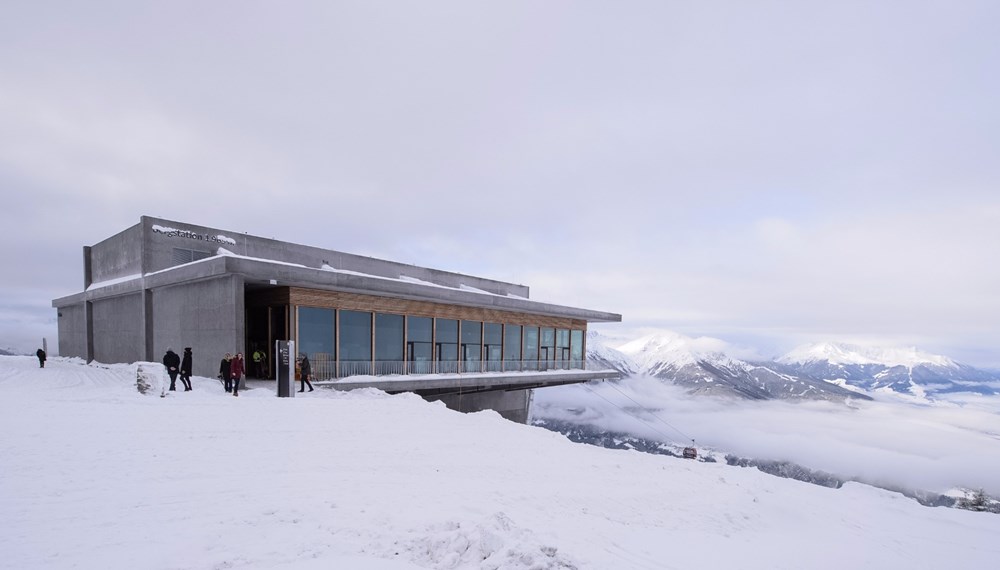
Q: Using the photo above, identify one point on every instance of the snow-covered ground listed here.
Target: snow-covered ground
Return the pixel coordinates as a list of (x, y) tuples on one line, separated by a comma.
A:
[(96, 475)]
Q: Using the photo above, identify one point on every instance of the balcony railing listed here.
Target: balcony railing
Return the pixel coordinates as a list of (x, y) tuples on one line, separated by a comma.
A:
[(324, 369)]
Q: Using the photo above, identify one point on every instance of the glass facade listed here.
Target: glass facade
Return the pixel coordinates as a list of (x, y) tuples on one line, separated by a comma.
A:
[(355, 343), (512, 347), (388, 344), (530, 348), (345, 343), (562, 345), (420, 344), (446, 345), (317, 338), (472, 346), (546, 347), (492, 347), (576, 349)]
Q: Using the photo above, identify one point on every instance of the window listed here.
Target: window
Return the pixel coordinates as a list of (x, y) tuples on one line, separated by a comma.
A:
[(419, 344), (316, 339), (512, 347), (388, 344), (189, 255), (472, 345), (562, 347), (446, 345), (576, 349), (492, 346), (531, 348), (355, 343), (546, 347)]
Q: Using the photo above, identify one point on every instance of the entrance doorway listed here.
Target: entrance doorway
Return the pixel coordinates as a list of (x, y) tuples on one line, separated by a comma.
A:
[(266, 323)]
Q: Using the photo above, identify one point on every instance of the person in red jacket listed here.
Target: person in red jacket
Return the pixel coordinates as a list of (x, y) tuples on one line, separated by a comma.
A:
[(236, 369)]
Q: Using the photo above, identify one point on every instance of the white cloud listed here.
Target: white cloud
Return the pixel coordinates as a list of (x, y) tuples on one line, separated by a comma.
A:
[(930, 448)]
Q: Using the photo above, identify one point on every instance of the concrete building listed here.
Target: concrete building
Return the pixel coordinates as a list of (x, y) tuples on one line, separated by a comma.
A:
[(473, 342)]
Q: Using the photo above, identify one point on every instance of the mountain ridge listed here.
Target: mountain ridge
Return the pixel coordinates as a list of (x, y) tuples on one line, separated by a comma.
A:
[(826, 370)]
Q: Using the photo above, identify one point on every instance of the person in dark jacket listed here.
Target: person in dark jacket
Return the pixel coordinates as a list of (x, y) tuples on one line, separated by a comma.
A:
[(237, 368), (41, 358), (305, 373), (226, 372), (186, 369), (172, 362)]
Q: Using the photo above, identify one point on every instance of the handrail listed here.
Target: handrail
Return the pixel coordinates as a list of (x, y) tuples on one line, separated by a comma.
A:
[(326, 369)]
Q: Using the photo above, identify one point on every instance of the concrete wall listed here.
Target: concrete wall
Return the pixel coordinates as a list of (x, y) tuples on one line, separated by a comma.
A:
[(72, 331), (160, 246), (118, 256), (513, 405), (206, 316), (118, 329)]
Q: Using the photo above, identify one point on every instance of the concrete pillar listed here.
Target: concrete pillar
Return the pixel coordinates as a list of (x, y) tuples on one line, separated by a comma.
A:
[(148, 325), (88, 316), (88, 276)]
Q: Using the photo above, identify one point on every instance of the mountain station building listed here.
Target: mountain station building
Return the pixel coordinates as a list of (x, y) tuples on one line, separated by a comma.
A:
[(471, 342)]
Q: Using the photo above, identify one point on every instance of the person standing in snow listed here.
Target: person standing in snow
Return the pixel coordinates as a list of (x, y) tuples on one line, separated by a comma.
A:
[(186, 369), (305, 371), (172, 362), (258, 362), (41, 358), (237, 369), (226, 372)]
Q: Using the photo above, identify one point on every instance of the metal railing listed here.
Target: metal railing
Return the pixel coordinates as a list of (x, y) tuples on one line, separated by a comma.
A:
[(323, 369)]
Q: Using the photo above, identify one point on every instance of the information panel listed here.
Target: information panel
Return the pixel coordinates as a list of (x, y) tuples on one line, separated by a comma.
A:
[(285, 364)]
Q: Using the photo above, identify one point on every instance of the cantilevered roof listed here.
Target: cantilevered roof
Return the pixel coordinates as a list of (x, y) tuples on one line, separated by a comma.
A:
[(266, 272)]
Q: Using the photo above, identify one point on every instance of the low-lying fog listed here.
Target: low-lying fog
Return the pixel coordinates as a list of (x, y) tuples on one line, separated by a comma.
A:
[(930, 447)]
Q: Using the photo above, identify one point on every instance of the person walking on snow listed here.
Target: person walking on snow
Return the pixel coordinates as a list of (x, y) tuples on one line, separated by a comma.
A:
[(258, 362), (226, 372), (172, 362), (41, 358), (237, 367), (305, 371), (186, 369)]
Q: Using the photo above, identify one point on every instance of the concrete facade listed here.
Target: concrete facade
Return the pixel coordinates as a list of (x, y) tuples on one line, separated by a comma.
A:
[(205, 315), (513, 405), (163, 283), (117, 328)]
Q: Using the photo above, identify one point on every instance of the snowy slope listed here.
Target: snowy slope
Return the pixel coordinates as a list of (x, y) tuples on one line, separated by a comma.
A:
[(97, 475)]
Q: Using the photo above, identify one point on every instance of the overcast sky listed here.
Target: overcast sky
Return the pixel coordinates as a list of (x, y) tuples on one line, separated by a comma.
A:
[(769, 173)]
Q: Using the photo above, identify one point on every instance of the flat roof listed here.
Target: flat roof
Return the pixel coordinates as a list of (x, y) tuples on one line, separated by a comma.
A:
[(268, 272)]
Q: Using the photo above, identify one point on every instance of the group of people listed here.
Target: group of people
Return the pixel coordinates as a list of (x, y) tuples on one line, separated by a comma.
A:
[(231, 369), (176, 365)]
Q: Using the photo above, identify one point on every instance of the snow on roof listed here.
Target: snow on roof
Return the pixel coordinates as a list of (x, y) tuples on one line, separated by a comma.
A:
[(223, 252), (174, 231), (109, 282)]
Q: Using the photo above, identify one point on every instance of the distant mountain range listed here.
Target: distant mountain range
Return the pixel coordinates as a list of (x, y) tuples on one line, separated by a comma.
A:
[(824, 371)]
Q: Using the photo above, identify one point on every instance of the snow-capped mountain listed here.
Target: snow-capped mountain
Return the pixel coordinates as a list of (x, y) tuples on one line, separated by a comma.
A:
[(599, 353), (901, 370), (817, 371), (849, 354), (702, 366)]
